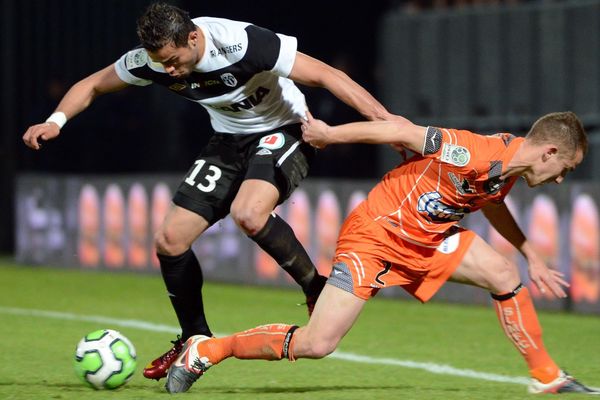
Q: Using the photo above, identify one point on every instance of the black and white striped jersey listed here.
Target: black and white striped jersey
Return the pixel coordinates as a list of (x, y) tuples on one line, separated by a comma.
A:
[(241, 79)]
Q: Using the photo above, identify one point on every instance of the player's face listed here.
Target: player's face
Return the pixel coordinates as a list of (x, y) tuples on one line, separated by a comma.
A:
[(178, 62), (552, 168)]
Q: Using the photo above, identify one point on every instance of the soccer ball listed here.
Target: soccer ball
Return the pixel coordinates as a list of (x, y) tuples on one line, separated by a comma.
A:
[(105, 359)]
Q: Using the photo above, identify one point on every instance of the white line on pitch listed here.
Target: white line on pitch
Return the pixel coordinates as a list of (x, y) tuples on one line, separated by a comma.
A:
[(149, 326)]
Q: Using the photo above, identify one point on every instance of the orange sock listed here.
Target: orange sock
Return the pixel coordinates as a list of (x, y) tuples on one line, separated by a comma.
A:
[(266, 342), (520, 323)]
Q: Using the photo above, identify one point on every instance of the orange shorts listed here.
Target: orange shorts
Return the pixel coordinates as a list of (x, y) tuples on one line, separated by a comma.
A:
[(369, 258)]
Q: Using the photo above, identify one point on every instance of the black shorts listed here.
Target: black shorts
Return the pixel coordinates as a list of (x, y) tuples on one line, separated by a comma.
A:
[(278, 156)]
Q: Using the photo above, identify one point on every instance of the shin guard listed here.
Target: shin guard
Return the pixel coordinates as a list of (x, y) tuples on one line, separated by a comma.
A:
[(266, 342), (519, 320)]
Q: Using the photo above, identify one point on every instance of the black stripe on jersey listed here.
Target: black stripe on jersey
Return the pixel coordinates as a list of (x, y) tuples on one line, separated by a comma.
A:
[(263, 47), (433, 140), (506, 137), (261, 55), (493, 184)]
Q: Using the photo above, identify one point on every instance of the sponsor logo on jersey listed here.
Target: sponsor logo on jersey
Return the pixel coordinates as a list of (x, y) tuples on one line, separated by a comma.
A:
[(450, 244), (248, 103), (177, 87), (219, 51), (272, 142), (264, 152), (463, 187), (228, 79), (136, 58), (210, 82), (430, 203), (455, 155)]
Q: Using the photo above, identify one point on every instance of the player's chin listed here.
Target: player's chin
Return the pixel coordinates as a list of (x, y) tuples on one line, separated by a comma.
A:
[(181, 75), (529, 182)]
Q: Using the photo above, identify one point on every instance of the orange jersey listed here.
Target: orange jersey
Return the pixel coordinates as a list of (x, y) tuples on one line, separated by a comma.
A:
[(457, 172)]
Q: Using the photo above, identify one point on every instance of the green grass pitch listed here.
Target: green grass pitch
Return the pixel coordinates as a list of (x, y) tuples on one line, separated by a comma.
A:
[(391, 353)]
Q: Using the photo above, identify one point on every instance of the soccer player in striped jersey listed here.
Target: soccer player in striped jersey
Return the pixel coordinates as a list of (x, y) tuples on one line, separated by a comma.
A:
[(243, 75), (406, 234)]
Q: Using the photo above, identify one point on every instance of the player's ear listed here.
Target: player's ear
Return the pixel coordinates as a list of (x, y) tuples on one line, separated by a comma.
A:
[(193, 38), (549, 152)]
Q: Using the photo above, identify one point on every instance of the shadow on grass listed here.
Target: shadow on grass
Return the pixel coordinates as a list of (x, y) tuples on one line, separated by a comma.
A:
[(74, 387), (320, 389)]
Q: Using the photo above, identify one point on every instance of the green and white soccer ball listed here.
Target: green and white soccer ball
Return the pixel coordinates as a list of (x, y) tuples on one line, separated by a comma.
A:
[(105, 359)]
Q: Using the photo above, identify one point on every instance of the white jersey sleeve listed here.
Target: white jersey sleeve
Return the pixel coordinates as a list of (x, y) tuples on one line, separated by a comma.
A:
[(129, 61), (287, 55)]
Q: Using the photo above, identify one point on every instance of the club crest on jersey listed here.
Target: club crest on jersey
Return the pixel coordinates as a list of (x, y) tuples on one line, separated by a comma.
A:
[(136, 58), (228, 79), (272, 142), (455, 155)]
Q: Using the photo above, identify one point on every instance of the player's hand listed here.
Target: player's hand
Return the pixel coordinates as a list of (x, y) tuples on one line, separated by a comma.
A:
[(547, 279), (44, 131), (396, 146), (400, 149), (314, 131)]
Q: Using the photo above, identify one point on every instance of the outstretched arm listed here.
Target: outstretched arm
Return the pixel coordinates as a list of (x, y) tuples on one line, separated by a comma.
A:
[(77, 99), (398, 131), (312, 72), (503, 221)]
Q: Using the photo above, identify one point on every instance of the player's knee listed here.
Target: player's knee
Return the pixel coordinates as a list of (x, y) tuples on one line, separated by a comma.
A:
[(250, 219), (320, 348), (505, 277), (166, 243)]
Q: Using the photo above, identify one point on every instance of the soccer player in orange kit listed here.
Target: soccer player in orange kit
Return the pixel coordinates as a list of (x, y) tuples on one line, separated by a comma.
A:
[(406, 233)]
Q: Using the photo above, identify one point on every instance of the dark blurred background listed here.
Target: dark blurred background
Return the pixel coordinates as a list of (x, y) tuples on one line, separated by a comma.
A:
[(150, 129), (482, 65)]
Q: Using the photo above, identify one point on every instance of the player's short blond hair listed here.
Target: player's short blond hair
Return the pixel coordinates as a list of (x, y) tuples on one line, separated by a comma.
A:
[(562, 129)]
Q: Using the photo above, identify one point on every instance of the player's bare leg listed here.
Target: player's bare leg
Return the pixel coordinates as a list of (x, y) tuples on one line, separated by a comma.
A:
[(484, 267), (335, 313), (252, 210)]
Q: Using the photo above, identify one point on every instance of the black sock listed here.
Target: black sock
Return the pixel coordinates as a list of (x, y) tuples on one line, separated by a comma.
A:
[(183, 278), (279, 241)]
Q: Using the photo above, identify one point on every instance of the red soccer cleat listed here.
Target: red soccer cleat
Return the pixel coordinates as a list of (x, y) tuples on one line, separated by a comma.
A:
[(158, 367)]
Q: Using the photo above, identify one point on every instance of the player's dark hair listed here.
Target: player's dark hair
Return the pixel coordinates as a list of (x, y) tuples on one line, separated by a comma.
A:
[(561, 128), (162, 24)]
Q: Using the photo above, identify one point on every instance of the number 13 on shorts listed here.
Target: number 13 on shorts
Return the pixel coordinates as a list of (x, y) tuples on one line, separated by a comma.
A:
[(213, 175)]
